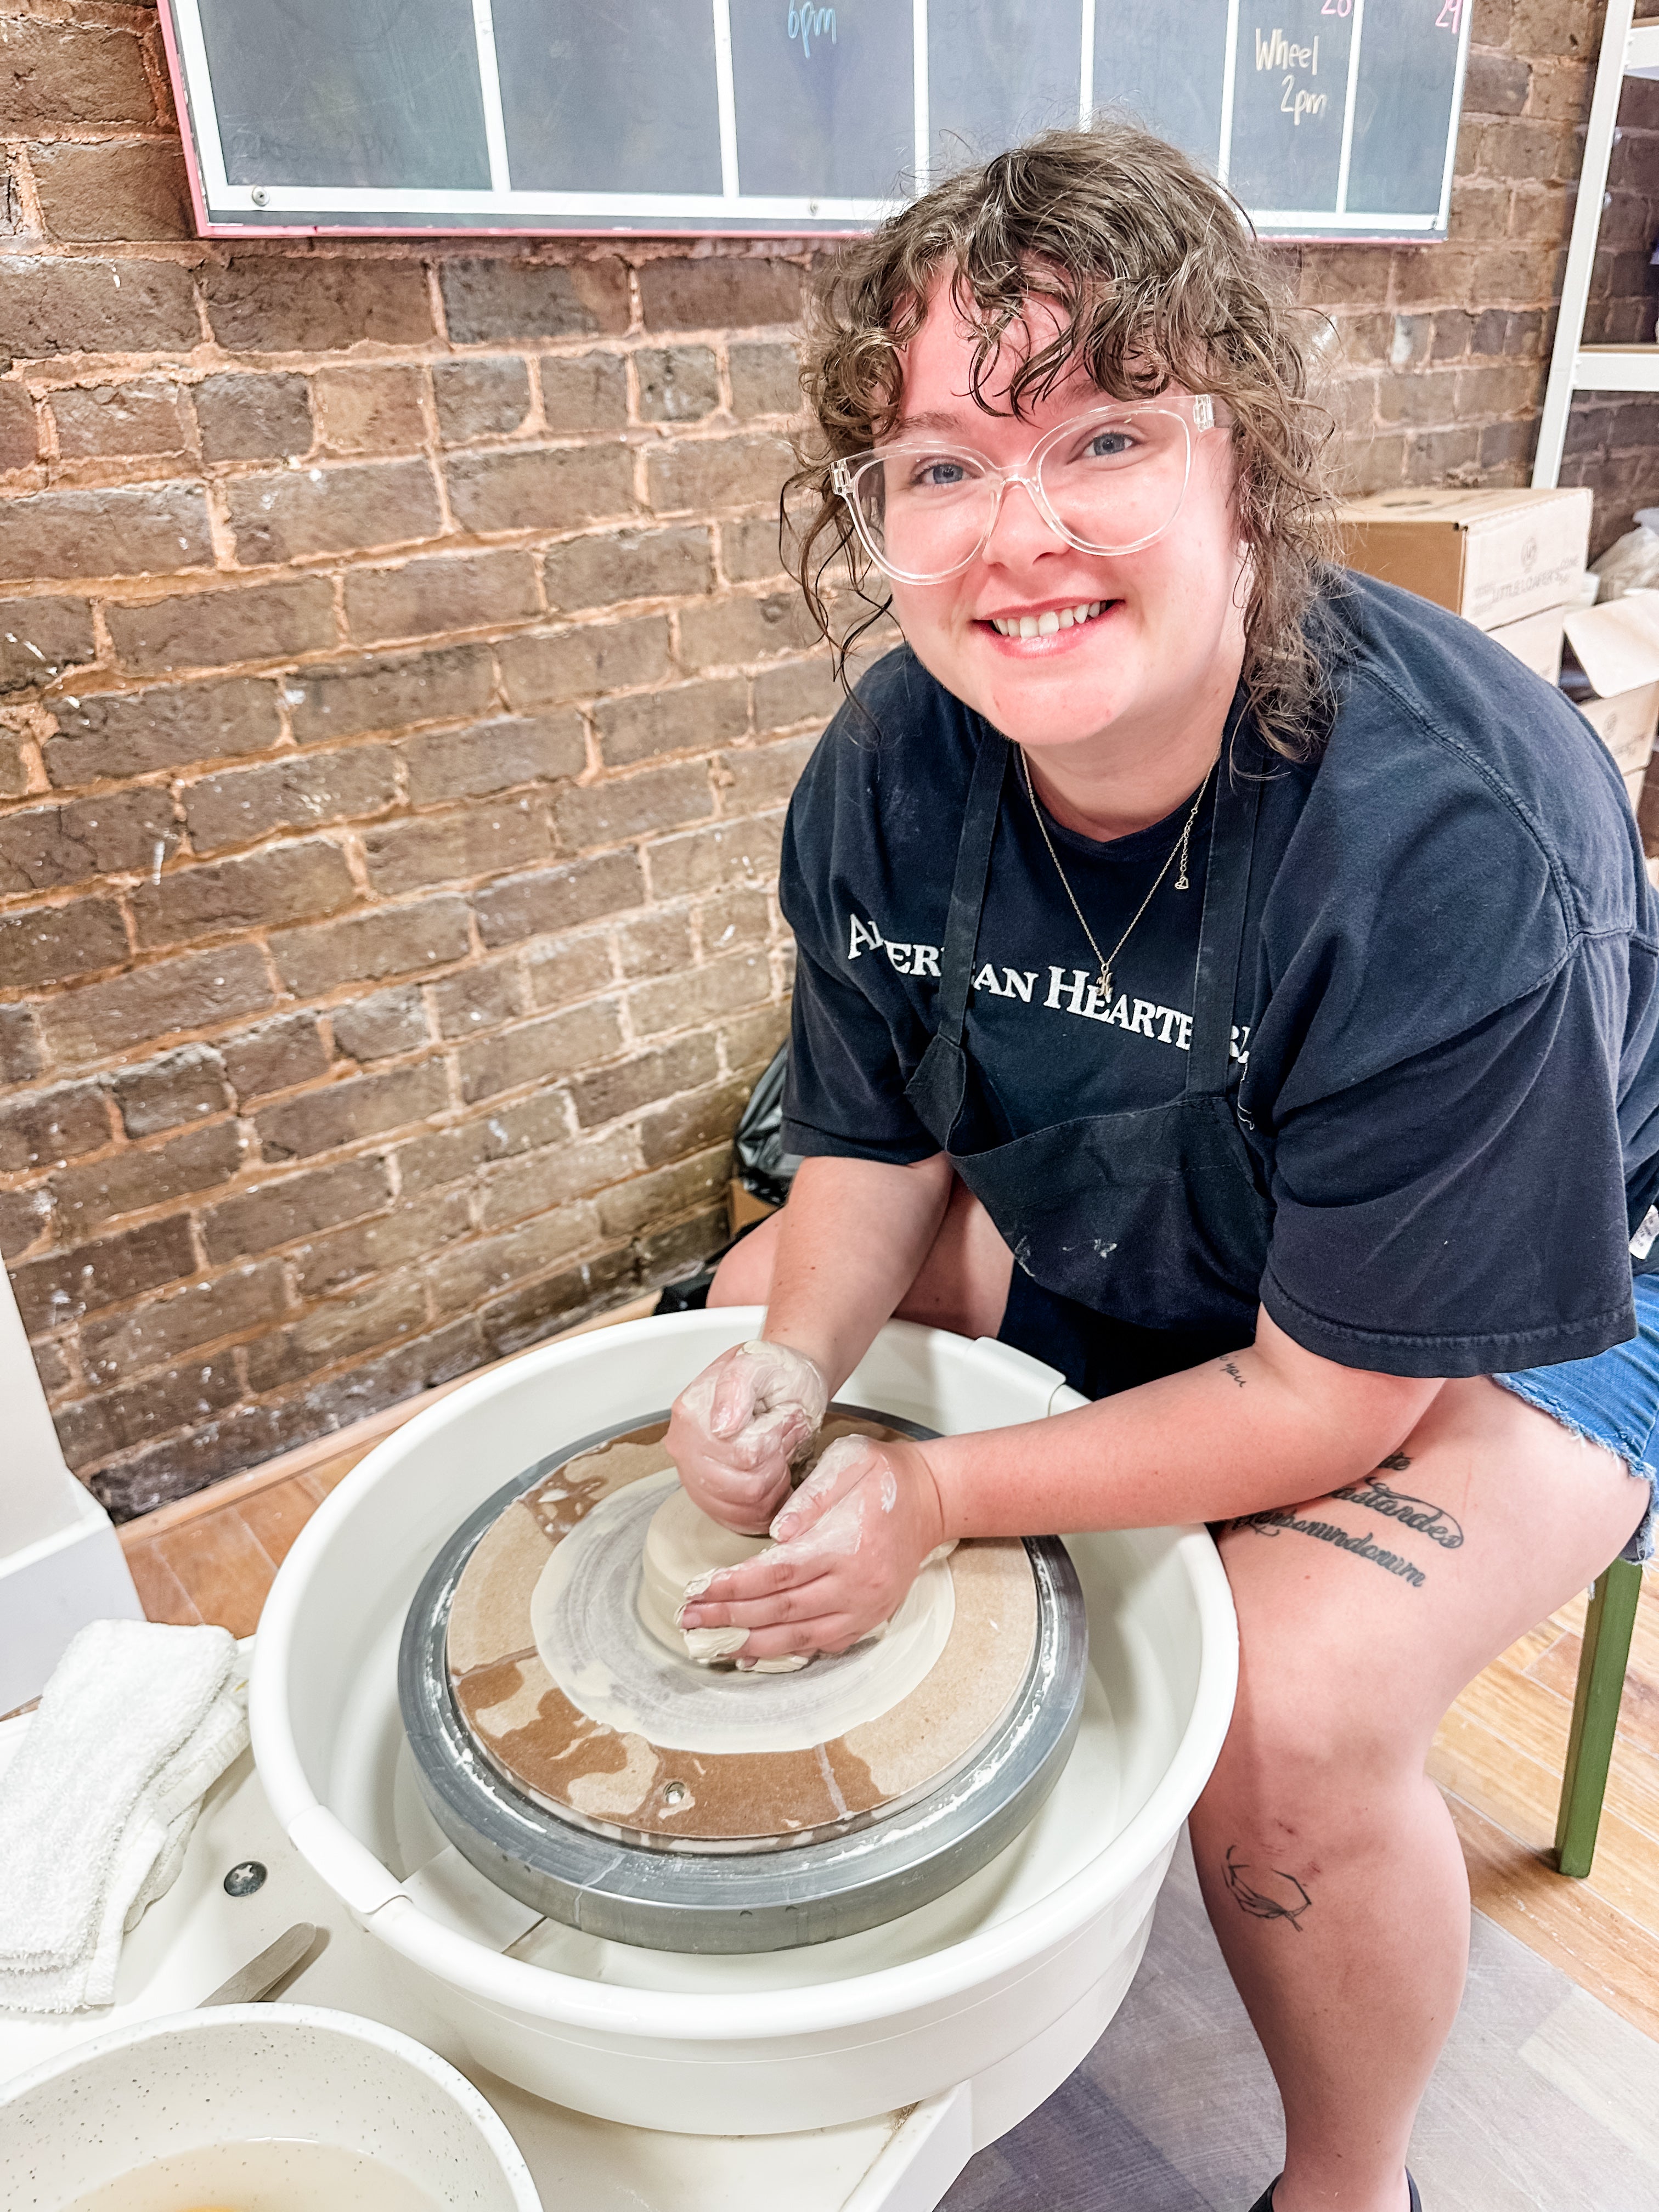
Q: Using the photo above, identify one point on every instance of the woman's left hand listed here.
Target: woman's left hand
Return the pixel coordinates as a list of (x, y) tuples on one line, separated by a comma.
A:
[(847, 1547)]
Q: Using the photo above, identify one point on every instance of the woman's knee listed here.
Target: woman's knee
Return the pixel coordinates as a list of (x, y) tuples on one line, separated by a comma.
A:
[(1316, 1721), (1307, 1777), (743, 1277)]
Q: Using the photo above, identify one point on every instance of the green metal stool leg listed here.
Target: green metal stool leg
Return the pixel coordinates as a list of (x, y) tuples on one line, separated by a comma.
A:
[(1607, 1630)]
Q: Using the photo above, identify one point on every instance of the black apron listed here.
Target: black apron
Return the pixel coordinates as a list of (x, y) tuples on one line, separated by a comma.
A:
[(1152, 1217)]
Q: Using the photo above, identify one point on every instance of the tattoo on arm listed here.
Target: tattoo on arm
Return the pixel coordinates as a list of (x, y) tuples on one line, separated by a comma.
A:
[(1265, 1892), (1229, 1368)]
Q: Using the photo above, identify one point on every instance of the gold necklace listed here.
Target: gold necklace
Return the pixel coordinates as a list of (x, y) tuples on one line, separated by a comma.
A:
[(1103, 982)]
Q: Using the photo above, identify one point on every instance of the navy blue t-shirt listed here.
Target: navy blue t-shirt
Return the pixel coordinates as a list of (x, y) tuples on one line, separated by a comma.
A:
[(1444, 1044)]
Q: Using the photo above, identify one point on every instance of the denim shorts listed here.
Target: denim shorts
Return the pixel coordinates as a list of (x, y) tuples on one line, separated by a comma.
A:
[(1613, 1400)]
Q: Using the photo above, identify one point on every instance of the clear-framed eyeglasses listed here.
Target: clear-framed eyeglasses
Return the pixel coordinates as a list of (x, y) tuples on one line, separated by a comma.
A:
[(1110, 481)]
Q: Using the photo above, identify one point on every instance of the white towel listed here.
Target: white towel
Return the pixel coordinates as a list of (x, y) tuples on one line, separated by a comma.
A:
[(97, 1807)]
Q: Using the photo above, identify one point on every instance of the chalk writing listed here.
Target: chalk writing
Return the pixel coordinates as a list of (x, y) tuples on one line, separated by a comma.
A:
[(1337, 8), (809, 23), (1297, 103), (1450, 17), (1276, 51)]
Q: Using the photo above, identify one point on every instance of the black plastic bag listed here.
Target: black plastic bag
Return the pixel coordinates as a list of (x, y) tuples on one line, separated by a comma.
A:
[(760, 1162)]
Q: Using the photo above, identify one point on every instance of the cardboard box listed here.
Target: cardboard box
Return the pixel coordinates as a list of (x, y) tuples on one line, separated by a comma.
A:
[(1493, 557), (1537, 641), (742, 1207), (1613, 675), (1625, 726)]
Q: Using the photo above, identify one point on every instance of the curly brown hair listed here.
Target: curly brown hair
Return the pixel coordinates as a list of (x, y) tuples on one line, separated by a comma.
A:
[(1155, 276)]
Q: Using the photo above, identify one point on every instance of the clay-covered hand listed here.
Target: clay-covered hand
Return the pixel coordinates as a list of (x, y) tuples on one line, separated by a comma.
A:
[(734, 1431), (847, 1548)]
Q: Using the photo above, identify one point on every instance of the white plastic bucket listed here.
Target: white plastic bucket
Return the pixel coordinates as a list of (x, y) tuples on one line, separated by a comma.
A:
[(1004, 1980), (235, 2075)]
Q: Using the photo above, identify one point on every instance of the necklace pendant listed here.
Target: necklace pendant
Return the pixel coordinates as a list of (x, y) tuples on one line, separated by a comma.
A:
[(1103, 985)]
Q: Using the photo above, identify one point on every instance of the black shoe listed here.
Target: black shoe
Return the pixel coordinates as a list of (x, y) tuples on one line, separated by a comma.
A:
[(1266, 2203)]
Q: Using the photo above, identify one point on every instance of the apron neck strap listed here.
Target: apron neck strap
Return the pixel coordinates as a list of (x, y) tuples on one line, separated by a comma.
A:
[(1221, 927), (978, 830)]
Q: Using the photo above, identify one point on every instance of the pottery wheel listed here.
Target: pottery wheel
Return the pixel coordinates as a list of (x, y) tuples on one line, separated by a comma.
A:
[(550, 1729), (567, 1695)]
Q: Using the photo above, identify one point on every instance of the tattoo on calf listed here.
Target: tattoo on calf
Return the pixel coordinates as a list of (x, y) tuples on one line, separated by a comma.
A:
[(1279, 1519), (1286, 1900), (1431, 1521), (1230, 1370)]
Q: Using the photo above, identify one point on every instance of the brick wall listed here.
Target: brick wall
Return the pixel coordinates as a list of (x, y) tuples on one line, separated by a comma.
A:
[(398, 699), (1440, 353)]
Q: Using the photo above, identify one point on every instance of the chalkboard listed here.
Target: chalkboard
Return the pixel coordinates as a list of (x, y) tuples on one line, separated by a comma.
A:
[(1329, 118)]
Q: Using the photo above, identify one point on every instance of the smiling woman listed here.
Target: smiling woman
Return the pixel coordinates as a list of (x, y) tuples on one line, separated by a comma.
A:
[(1074, 264), (1234, 982)]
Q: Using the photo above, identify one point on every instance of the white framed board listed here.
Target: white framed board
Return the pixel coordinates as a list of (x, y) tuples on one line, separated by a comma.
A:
[(1328, 119)]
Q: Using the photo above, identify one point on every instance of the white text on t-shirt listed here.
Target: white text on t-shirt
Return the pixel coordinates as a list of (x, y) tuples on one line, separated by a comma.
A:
[(1069, 991)]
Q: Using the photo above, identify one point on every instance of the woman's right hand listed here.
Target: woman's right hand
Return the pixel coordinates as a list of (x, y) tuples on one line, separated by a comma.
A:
[(734, 1431)]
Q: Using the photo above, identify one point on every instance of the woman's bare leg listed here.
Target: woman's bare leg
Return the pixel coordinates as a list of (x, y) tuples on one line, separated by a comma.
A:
[(1328, 1862), (961, 1285)]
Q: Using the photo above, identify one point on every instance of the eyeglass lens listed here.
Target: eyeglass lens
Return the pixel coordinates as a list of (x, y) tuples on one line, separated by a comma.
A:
[(1111, 483)]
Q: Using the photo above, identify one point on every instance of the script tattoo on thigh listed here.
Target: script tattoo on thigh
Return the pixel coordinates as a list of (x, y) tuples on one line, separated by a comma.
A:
[(1281, 1519), (1265, 1892), (1379, 1497)]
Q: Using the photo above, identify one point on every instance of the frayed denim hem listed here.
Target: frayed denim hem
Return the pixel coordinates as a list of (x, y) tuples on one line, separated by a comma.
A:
[(1641, 1546)]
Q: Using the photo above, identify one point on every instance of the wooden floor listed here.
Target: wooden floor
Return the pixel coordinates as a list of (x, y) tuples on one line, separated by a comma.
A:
[(216, 1566), (1497, 1757)]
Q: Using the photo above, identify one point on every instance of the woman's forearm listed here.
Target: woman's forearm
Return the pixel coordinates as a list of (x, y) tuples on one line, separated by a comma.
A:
[(1270, 1426), (850, 1243)]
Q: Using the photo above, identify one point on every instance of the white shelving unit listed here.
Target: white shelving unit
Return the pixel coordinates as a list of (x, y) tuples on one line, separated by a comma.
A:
[(1628, 49)]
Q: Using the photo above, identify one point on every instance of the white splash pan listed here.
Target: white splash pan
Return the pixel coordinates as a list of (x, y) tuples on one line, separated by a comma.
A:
[(1006, 1983)]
